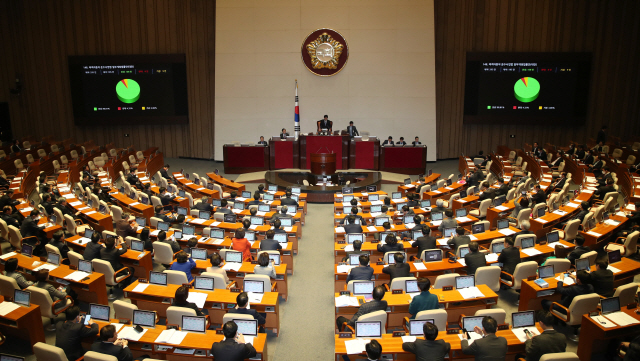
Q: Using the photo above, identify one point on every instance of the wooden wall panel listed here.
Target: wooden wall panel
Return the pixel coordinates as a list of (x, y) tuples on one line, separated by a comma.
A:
[(607, 28), (36, 37)]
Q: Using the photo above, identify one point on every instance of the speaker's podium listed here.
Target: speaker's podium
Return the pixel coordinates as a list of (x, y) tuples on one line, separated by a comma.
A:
[(323, 163), (326, 144)]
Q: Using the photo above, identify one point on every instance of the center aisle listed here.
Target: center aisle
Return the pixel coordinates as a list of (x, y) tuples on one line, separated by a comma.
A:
[(309, 312)]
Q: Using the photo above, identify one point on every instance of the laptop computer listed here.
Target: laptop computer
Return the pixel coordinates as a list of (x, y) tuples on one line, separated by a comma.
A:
[(437, 216), (449, 232), (253, 286), (347, 190), (465, 281), (416, 327), (204, 214), (545, 272), (371, 189), (137, 245), (27, 250), (230, 218), (177, 235), (347, 198), (449, 181), (246, 194), (411, 286), (352, 237), (364, 288), (523, 319), (158, 278), (381, 220), (426, 203), (408, 219), (528, 242), (181, 193), (216, 233), (582, 264), (416, 234), (247, 327), (541, 212), (383, 235), (298, 190), (272, 188), (22, 298), (503, 223), (369, 329), (196, 324), (497, 247), (188, 230), (196, 181), (264, 208), (275, 257), (374, 197), (268, 197), (144, 200), (396, 195), (469, 323), (199, 253), (163, 226), (85, 266), (203, 283), (144, 318), (257, 220), (614, 256), (461, 212), (434, 255), (280, 237), (99, 312), (477, 228), (610, 305), (216, 202), (238, 205), (250, 235), (553, 237), (233, 256), (376, 208), (141, 221), (389, 257), (463, 251), (354, 259), (88, 233), (5, 357), (53, 258)]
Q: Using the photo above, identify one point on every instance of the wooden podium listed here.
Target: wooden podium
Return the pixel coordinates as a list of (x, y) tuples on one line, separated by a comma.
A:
[(323, 163)]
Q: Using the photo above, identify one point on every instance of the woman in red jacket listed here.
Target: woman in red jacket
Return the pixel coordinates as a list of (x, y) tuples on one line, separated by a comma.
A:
[(241, 244)]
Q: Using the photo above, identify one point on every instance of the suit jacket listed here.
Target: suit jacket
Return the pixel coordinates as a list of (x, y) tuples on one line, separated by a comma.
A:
[(601, 192), (602, 282), (30, 228), (569, 293), (387, 142), (353, 228), (397, 270), (509, 257), (588, 160), (269, 244), (542, 154), (262, 142), (69, 336), (124, 229), (362, 220), (164, 174), (423, 243), (20, 280), (473, 260), (16, 149), (415, 143), (113, 256), (63, 209), (549, 341), (384, 248), (503, 190), (165, 199), (581, 215), (426, 350), (108, 348), (352, 131), (401, 142), (322, 124), (371, 306), (577, 252), (5, 200), (10, 221), (164, 217), (92, 251), (448, 223), (489, 193), (230, 350), (53, 291), (252, 312), (560, 183), (539, 197), (289, 202), (360, 274), (489, 348), (458, 241), (602, 137), (284, 135), (203, 206)]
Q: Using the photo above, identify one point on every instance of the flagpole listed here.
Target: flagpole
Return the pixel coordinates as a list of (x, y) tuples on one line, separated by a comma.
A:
[(296, 117)]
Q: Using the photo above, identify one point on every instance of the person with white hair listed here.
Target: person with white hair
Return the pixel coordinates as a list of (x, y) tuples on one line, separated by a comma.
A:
[(439, 206)]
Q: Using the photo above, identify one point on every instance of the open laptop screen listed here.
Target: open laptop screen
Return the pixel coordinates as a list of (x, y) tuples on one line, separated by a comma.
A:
[(254, 286), (545, 272), (477, 228), (363, 288), (610, 305), (158, 278), (582, 264), (22, 297), (247, 327), (503, 223), (203, 283), (465, 282), (368, 329), (416, 327), (469, 323), (523, 319), (144, 318), (99, 312)]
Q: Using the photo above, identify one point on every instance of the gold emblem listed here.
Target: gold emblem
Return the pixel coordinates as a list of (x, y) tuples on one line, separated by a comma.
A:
[(325, 52)]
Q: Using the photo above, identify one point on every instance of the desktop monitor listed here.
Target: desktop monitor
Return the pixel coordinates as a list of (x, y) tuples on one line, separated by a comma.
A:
[(469, 323), (158, 278), (144, 318), (85, 266), (347, 198), (181, 193), (280, 237), (614, 256), (296, 190), (377, 208), (275, 257), (53, 258), (163, 226), (477, 228), (461, 212), (354, 259), (230, 218), (246, 194), (22, 297), (188, 230), (371, 329), (432, 255), (523, 319), (381, 220), (216, 233), (463, 251), (253, 286), (582, 264), (553, 237), (396, 195), (541, 212), (238, 205), (247, 327), (416, 234), (199, 253), (426, 203), (177, 235), (194, 324), (528, 242), (347, 190), (449, 232), (204, 214), (465, 281), (389, 257), (503, 223), (137, 245), (250, 235), (463, 194), (27, 250), (363, 288), (407, 181), (411, 286), (264, 208), (374, 197), (257, 220), (437, 216), (497, 247), (352, 237), (99, 312), (216, 202), (233, 256), (203, 283), (609, 305), (416, 327), (267, 197), (141, 221), (545, 272), (371, 189)]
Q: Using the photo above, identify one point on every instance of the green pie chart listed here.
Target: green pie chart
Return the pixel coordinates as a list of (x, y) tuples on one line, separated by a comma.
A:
[(128, 91), (526, 89)]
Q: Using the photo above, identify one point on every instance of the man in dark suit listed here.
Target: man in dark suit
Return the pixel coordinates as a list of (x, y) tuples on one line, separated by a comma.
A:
[(354, 212), (400, 269), (269, 244), (503, 189), (284, 134), (509, 257), (377, 304), (262, 141), (401, 142), (388, 142), (602, 135), (256, 199), (357, 250), (416, 141), (596, 167), (352, 130), (602, 191), (58, 242), (572, 149), (474, 259), (287, 201), (6, 200), (549, 341), (133, 179), (414, 200), (579, 250), (277, 226), (542, 154), (325, 124), (559, 182), (589, 158), (602, 279), (164, 172), (539, 196), (203, 205), (448, 222), (29, 228), (489, 347), (391, 242), (459, 240), (8, 218), (425, 242), (351, 226), (535, 149), (488, 192), (363, 272), (584, 210), (606, 174), (428, 349), (84, 183), (223, 207), (110, 344), (581, 152), (16, 148), (158, 214), (112, 254), (556, 162), (241, 307), (233, 348), (69, 333), (581, 287), (47, 204), (126, 227), (93, 248), (165, 198), (162, 237)]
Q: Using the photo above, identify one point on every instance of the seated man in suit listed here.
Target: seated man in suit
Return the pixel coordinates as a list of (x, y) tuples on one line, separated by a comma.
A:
[(354, 212), (58, 242), (535, 148), (413, 200), (281, 214), (503, 189), (269, 244), (391, 245), (158, 209), (363, 272), (162, 237), (110, 344), (602, 191), (277, 227), (549, 341), (71, 332), (606, 174), (351, 226), (164, 172), (16, 147), (288, 201), (29, 228), (84, 183), (234, 347), (256, 199), (460, 240), (377, 304), (165, 198), (352, 130), (284, 134), (525, 227), (112, 254), (560, 182), (224, 209), (487, 192), (581, 287), (579, 250), (524, 178), (509, 257), (388, 142), (42, 276), (589, 157), (133, 179), (8, 218), (584, 210), (325, 125), (399, 269), (602, 279), (554, 164), (93, 248), (401, 142), (474, 259), (429, 348), (425, 300), (596, 167), (416, 141), (203, 205), (11, 270), (489, 347), (47, 204), (262, 141), (242, 302), (357, 249), (425, 242), (126, 226), (448, 222), (539, 196)]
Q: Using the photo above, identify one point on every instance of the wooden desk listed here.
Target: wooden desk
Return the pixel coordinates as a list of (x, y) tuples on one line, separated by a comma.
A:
[(133, 206), (493, 213), (93, 290), (227, 183), (598, 237), (98, 221), (444, 192), (594, 338), (24, 323), (529, 292), (453, 303), (159, 298), (197, 191), (412, 187)]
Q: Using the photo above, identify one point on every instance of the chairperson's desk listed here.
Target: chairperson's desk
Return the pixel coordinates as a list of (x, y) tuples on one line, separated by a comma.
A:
[(453, 303), (92, 290), (159, 298), (595, 338), (531, 294), (201, 342), (24, 323)]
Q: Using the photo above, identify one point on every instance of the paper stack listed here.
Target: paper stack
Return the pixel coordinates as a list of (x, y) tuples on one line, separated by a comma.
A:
[(7, 307), (48, 266), (172, 336), (339, 229), (235, 266), (131, 334), (470, 292), (603, 321), (356, 346), (621, 318), (531, 251), (491, 257), (568, 281), (76, 276), (519, 332), (198, 298), (420, 266), (140, 287), (506, 231), (346, 301), (344, 268), (8, 255)]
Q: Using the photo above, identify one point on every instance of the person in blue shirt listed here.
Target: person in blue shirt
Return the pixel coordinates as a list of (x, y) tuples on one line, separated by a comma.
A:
[(184, 263), (425, 300)]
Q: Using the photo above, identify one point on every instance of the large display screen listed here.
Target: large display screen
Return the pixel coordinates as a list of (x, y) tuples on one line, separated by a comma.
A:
[(527, 87), (129, 89)]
